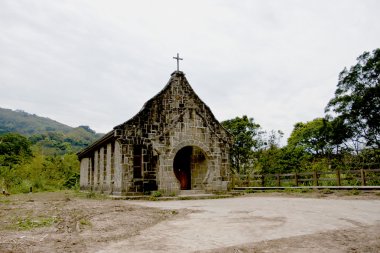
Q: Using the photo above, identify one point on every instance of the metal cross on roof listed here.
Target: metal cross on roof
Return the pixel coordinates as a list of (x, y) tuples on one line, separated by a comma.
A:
[(178, 59)]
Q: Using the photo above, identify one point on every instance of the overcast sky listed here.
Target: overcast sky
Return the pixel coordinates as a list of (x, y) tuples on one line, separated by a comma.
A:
[(97, 62)]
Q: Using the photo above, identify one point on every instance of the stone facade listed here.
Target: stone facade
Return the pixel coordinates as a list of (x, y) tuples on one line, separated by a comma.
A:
[(174, 143)]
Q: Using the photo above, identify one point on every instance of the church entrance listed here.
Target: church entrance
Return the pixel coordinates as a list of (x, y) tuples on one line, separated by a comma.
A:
[(190, 167)]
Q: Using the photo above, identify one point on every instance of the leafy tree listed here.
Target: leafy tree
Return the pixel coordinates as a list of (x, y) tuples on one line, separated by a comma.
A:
[(14, 148), (273, 139), (314, 136), (246, 139), (357, 99), (267, 157), (88, 129), (339, 133), (267, 160), (294, 159)]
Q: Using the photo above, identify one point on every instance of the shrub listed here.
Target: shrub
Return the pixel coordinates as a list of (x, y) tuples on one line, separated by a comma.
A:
[(156, 194)]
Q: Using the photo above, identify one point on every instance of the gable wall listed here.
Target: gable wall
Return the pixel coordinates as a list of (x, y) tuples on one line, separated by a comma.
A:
[(174, 119), (140, 155)]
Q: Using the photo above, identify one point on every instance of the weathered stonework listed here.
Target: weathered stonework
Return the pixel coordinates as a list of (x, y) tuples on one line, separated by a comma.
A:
[(173, 143)]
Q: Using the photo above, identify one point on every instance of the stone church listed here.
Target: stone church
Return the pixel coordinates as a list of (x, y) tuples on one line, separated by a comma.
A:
[(174, 143)]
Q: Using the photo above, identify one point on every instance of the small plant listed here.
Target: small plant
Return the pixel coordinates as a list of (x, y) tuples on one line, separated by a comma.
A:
[(5, 201), (91, 195), (305, 190), (355, 192), (327, 191), (297, 190), (85, 222), (291, 190), (184, 198), (156, 194), (249, 191), (153, 198), (28, 223)]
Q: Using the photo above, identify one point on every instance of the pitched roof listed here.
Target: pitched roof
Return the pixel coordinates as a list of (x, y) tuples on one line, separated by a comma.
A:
[(174, 76), (146, 107)]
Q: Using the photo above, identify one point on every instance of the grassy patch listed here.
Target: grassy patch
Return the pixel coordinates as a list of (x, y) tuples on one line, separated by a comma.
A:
[(297, 190), (5, 201), (28, 223), (85, 222), (184, 198), (353, 192), (327, 191), (249, 191), (156, 194), (89, 195), (172, 194)]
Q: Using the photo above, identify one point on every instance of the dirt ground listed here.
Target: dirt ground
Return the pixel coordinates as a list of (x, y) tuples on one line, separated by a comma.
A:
[(71, 222), (361, 239)]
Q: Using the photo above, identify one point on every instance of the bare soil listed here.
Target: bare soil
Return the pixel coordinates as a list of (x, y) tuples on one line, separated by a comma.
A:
[(320, 194), (361, 239), (71, 222)]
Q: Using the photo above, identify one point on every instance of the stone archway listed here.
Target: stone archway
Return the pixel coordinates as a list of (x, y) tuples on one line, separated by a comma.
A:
[(190, 166)]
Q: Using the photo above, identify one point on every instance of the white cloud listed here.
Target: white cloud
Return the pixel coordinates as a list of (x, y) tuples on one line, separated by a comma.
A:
[(97, 62)]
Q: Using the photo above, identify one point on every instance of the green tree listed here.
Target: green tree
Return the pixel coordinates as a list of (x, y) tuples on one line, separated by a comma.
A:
[(268, 156), (14, 148), (246, 139), (23, 166), (314, 136), (357, 99), (268, 160)]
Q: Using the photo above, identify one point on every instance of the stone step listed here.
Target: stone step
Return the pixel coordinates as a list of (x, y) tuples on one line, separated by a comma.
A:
[(191, 192)]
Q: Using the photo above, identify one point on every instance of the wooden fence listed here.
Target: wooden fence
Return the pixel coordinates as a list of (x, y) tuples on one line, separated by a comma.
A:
[(363, 177)]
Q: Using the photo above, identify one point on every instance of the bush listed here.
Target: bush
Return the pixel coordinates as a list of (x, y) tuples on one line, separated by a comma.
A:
[(72, 181), (156, 194)]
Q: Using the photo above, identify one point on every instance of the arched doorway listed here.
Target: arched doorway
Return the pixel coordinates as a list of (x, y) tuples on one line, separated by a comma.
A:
[(190, 167)]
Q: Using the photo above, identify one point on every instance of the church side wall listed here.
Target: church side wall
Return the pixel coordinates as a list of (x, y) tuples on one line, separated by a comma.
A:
[(138, 165), (127, 151), (96, 170), (101, 169), (84, 167), (108, 182), (118, 175)]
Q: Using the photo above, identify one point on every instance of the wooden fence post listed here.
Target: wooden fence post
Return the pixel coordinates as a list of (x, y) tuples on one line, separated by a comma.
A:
[(362, 173), (338, 177), (278, 180), (315, 177), (296, 178)]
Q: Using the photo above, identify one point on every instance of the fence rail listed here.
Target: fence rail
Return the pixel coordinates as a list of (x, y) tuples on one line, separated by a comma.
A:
[(363, 177)]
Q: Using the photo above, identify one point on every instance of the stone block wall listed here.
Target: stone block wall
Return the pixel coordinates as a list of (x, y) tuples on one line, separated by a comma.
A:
[(141, 153)]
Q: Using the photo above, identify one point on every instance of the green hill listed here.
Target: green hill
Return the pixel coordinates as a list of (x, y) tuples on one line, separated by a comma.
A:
[(50, 135)]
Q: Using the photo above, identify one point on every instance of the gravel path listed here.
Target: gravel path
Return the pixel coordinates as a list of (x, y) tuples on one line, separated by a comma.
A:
[(221, 223)]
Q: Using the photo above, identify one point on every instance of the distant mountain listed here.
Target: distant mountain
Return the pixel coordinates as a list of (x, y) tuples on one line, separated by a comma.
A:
[(52, 136)]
